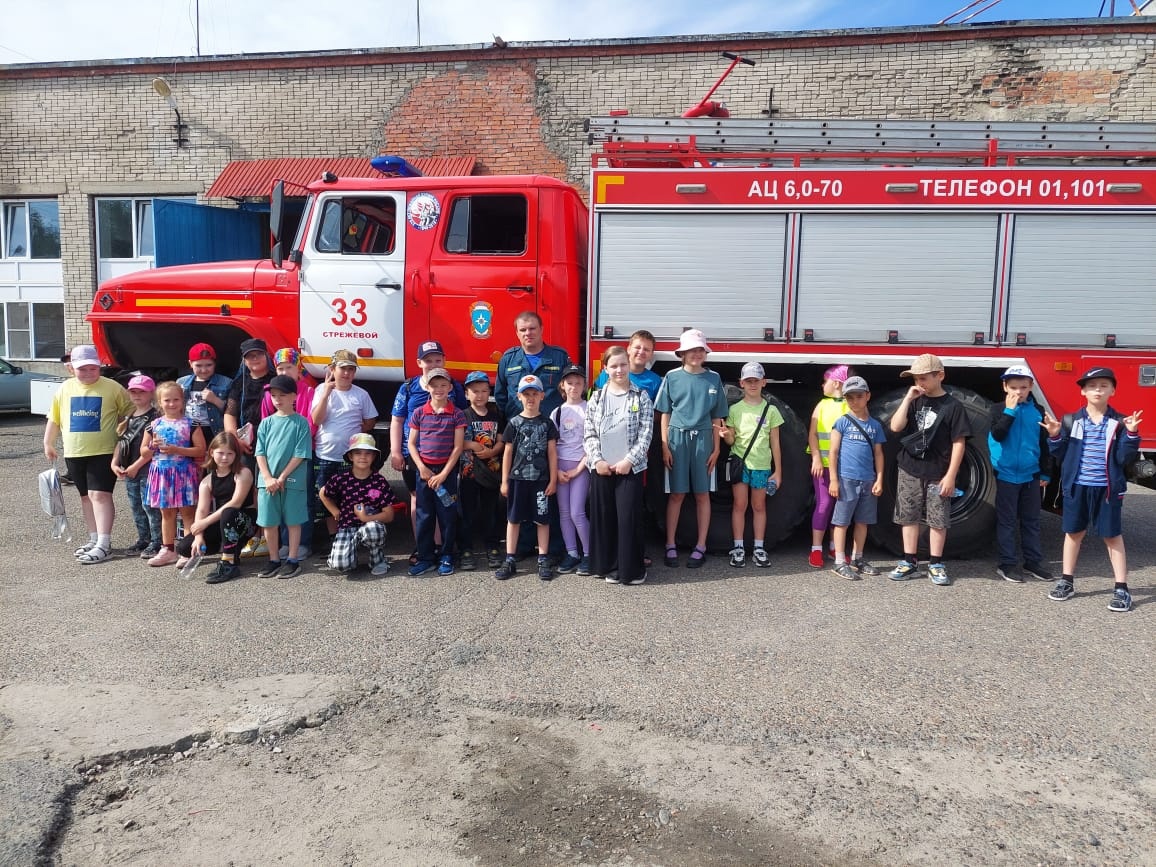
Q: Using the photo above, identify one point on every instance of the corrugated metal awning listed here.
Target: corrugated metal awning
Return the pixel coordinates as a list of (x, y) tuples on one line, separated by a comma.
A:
[(247, 179)]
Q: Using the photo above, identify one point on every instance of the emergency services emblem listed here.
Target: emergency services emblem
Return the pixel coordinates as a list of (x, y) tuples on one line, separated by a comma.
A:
[(423, 211), (481, 319)]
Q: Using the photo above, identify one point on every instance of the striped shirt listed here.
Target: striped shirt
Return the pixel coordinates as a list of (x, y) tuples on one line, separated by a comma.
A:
[(435, 431), (1094, 460)]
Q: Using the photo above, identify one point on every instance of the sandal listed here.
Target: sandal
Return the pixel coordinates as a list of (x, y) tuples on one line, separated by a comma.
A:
[(84, 549), (671, 558), (95, 554), (697, 558)]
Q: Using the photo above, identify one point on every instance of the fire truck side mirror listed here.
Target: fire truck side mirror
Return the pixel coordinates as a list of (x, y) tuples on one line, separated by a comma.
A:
[(276, 212), (275, 255)]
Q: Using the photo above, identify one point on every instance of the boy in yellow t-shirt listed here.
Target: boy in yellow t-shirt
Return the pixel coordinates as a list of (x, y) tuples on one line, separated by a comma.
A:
[(85, 412)]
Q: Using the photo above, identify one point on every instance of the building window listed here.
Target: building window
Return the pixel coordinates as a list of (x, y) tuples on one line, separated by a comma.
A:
[(488, 225), (124, 228), (31, 229), (31, 330), (357, 226)]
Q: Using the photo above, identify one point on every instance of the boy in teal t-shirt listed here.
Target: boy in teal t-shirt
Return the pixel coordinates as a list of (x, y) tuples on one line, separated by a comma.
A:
[(748, 427)]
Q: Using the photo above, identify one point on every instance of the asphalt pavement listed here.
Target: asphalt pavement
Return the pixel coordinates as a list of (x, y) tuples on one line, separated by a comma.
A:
[(744, 657)]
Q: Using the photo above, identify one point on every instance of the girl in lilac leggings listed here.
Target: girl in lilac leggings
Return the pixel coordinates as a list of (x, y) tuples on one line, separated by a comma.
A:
[(573, 478), (827, 412)]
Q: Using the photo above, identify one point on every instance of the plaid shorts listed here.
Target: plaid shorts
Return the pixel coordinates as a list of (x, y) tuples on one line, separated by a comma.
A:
[(343, 554)]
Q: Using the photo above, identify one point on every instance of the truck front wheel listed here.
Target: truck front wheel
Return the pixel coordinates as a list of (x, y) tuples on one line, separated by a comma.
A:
[(973, 513)]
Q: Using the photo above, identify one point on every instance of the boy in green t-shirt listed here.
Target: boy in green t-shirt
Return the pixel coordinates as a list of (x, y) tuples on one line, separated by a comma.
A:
[(751, 433)]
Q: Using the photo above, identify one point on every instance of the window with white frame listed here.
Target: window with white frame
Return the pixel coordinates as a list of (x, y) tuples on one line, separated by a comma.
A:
[(124, 228), (31, 280)]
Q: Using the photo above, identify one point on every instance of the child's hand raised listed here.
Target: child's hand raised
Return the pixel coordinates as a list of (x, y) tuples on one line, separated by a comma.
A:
[(1051, 425), (914, 392), (1132, 422)]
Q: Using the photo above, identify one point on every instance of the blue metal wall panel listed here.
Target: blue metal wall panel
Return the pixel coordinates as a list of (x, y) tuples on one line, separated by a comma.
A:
[(187, 233)]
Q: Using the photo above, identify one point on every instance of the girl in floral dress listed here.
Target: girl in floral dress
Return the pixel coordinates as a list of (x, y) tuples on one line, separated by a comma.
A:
[(177, 446)]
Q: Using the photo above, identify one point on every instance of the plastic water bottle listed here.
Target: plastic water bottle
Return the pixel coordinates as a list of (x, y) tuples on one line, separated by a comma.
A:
[(445, 496), (194, 561)]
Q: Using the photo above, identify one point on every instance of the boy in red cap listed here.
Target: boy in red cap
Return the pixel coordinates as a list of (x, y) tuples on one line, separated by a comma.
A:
[(205, 391)]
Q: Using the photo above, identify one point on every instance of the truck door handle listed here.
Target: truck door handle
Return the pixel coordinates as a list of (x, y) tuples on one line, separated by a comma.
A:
[(385, 284), (519, 288)]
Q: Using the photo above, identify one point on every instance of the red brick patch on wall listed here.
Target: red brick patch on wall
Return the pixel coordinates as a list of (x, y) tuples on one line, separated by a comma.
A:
[(486, 111), (1041, 88)]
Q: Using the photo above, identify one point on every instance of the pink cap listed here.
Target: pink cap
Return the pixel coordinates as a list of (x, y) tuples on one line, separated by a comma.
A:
[(140, 382), (839, 373)]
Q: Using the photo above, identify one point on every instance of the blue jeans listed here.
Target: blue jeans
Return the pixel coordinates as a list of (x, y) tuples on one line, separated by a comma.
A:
[(1018, 507), (430, 508), (146, 518)]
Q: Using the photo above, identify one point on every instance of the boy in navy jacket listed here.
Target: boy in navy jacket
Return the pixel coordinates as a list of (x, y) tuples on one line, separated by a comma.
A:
[(1093, 451), (1021, 460)]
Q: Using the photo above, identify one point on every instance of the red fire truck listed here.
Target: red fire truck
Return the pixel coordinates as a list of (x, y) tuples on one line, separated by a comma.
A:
[(799, 244)]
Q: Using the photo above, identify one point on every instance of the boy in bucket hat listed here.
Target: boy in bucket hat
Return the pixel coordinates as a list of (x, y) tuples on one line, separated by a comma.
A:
[(362, 503), (1093, 446), (934, 430), (1021, 462), (693, 405)]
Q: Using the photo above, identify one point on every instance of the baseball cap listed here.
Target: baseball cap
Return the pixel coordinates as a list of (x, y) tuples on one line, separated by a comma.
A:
[(288, 355), (140, 382), (362, 441), (855, 384), (85, 356), (572, 370), (344, 358), (752, 370), (528, 382), (201, 351), (253, 344), (435, 374), (1017, 370), (430, 347), (283, 383), (477, 376), (1092, 373), (926, 363)]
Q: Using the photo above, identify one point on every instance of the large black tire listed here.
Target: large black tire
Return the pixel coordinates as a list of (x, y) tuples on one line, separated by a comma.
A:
[(972, 515), (785, 509)]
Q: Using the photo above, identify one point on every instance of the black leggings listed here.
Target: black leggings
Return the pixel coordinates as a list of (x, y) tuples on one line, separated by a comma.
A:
[(228, 535)]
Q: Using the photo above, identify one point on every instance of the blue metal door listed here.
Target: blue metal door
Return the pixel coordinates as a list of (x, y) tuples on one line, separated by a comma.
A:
[(187, 233)]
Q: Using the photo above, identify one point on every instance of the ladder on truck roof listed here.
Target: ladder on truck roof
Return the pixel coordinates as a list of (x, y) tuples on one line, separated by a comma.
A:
[(699, 142)]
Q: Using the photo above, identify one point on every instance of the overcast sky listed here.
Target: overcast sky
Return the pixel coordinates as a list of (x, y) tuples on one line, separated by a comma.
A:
[(53, 30)]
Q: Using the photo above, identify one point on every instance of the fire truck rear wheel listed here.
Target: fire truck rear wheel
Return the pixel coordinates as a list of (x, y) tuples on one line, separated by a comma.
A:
[(973, 514), (785, 510)]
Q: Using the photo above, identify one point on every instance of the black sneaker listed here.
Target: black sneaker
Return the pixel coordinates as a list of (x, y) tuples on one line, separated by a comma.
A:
[(495, 558), (270, 569), (507, 570), (290, 569), (466, 563), (1038, 571), (1009, 573), (545, 571), (1063, 590), (224, 572), (569, 564), (136, 547)]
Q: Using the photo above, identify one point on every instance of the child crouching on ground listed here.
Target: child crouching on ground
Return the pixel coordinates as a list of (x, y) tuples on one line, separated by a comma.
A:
[(362, 503), (225, 518), (856, 478)]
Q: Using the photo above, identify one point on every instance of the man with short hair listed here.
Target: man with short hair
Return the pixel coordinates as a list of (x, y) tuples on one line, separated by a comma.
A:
[(532, 356)]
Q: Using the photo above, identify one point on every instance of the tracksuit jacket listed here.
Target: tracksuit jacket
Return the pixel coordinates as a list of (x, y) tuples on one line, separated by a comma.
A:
[(1018, 445), (1068, 448)]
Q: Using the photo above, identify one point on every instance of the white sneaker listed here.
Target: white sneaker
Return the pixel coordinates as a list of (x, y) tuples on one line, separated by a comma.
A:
[(380, 569), (256, 548), (738, 556), (762, 558)]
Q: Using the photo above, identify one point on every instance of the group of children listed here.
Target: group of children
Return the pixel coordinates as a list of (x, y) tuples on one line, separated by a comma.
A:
[(263, 433)]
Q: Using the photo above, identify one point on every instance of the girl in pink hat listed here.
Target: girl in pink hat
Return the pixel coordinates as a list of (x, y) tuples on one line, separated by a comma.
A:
[(827, 411)]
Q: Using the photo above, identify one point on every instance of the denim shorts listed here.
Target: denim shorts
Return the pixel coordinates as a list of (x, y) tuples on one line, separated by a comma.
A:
[(856, 504)]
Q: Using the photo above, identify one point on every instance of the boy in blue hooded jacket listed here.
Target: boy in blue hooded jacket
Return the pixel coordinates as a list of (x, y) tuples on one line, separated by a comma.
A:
[(1018, 446)]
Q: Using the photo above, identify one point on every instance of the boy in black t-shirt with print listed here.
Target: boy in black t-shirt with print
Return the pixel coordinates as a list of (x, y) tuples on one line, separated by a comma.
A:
[(934, 431), (481, 474), (362, 502), (529, 476)]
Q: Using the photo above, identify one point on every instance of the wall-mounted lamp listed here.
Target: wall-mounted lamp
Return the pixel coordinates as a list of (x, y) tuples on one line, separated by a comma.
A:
[(162, 87)]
